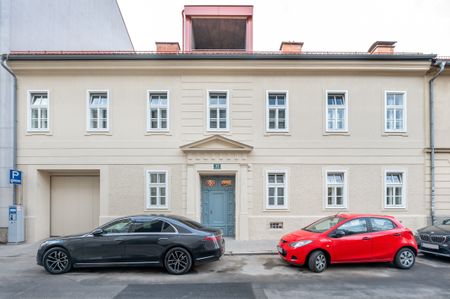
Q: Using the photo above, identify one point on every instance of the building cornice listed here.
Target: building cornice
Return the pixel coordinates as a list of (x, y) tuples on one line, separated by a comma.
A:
[(420, 66)]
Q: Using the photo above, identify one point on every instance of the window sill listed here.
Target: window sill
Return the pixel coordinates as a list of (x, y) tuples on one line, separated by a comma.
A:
[(336, 208), (395, 208), (336, 133), (277, 133), (42, 133), (93, 133), (150, 133), (156, 209), (276, 210), (208, 133), (401, 134)]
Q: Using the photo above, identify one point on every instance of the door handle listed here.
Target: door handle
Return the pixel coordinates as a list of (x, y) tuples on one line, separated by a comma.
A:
[(160, 239), (396, 235), (366, 238)]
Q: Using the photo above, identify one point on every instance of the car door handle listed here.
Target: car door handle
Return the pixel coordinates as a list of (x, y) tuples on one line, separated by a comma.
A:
[(160, 239), (366, 238), (396, 235)]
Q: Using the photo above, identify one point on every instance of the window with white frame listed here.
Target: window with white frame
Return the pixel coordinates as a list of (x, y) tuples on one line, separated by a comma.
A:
[(276, 190), (158, 116), (336, 111), (38, 111), (336, 193), (395, 112), (394, 194), (98, 111), (157, 189), (277, 114), (217, 111)]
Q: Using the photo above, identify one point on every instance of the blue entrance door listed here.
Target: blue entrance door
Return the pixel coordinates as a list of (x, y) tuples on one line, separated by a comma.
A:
[(218, 203)]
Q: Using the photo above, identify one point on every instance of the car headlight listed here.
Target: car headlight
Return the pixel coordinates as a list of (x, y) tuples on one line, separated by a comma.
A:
[(43, 244), (300, 243)]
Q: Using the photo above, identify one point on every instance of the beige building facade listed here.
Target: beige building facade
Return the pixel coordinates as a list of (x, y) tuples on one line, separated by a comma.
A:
[(259, 146)]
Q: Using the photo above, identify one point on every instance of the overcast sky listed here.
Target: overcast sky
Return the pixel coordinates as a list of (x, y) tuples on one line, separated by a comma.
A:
[(323, 25)]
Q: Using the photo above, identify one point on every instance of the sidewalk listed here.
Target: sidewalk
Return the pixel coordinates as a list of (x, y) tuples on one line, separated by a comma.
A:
[(22, 249), (232, 247), (250, 247)]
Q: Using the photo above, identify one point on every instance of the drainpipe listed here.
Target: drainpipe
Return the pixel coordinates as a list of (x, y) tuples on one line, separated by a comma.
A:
[(6, 67), (432, 143)]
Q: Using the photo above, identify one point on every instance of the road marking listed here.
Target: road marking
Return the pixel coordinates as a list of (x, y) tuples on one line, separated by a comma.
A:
[(434, 264)]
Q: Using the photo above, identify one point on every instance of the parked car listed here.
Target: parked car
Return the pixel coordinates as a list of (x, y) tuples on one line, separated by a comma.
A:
[(435, 239), (174, 242), (344, 238)]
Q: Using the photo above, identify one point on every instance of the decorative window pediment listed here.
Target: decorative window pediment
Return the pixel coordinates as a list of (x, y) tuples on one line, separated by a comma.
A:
[(216, 143)]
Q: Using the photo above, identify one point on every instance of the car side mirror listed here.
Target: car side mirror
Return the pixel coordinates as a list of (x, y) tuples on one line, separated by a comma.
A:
[(97, 232), (337, 234), (446, 222)]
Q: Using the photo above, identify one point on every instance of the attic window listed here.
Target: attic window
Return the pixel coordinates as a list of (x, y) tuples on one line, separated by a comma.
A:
[(219, 33)]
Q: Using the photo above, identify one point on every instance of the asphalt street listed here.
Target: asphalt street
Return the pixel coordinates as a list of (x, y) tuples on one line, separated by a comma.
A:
[(263, 276)]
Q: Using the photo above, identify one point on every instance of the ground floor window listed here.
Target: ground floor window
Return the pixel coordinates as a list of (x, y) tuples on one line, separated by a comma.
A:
[(394, 189), (276, 190), (336, 189), (157, 186)]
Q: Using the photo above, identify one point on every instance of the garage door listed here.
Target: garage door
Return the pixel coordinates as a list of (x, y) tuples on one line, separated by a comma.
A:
[(74, 204)]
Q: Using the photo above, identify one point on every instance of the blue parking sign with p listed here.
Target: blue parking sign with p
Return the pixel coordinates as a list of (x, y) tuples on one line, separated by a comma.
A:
[(15, 176)]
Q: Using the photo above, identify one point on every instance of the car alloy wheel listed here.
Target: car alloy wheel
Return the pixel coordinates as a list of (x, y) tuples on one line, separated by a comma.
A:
[(178, 261), (57, 261), (405, 258), (317, 261)]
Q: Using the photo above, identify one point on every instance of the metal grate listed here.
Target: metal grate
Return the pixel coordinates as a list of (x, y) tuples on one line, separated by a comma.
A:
[(424, 237), (276, 225), (437, 239)]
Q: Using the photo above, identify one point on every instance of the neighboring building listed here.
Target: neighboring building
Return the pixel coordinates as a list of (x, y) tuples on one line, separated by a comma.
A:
[(48, 25), (257, 144), (442, 144)]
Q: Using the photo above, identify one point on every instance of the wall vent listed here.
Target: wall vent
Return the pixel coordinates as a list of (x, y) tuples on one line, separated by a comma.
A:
[(276, 225)]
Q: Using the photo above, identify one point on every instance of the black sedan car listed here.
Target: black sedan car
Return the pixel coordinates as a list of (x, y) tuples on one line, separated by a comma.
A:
[(174, 242), (435, 239)]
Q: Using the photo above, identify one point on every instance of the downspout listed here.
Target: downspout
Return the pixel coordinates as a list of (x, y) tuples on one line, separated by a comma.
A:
[(432, 143), (7, 68)]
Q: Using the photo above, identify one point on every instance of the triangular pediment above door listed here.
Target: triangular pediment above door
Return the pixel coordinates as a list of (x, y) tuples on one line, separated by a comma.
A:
[(216, 143)]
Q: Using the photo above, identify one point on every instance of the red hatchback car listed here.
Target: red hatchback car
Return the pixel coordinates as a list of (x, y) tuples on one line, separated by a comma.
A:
[(350, 239)]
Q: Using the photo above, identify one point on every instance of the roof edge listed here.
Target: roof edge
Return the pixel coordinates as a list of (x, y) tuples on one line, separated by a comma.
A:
[(126, 55)]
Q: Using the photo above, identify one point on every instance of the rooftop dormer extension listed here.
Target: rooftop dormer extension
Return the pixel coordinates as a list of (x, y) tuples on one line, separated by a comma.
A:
[(218, 28)]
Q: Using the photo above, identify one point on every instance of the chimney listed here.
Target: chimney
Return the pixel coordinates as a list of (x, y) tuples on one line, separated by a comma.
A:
[(291, 47), (382, 47), (167, 47)]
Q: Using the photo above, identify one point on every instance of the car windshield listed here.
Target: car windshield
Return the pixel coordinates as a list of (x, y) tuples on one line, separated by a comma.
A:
[(324, 224)]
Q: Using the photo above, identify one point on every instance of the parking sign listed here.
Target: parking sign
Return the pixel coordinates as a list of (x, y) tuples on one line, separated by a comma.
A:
[(15, 176)]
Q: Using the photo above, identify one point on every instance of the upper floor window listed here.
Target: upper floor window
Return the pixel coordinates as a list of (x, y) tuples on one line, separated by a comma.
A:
[(336, 193), (336, 111), (38, 111), (394, 193), (277, 111), (157, 186), (98, 111), (276, 190), (218, 115), (395, 112), (158, 111)]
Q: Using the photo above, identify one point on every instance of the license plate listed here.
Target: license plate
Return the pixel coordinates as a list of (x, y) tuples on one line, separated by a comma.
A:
[(430, 246)]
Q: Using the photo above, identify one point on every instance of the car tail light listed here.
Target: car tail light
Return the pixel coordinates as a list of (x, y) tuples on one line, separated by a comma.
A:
[(214, 238)]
